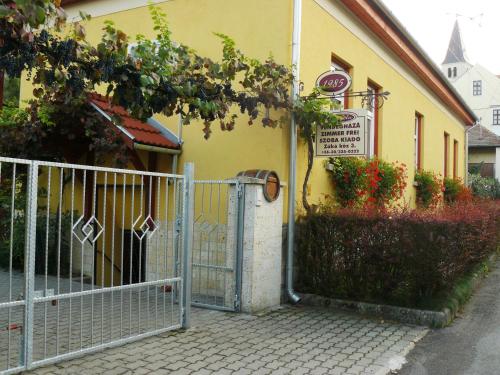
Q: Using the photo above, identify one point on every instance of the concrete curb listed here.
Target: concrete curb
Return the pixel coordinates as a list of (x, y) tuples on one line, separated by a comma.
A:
[(400, 314), (433, 319)]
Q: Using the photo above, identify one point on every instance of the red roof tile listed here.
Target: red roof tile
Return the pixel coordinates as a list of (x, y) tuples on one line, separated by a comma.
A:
[(142, 132)]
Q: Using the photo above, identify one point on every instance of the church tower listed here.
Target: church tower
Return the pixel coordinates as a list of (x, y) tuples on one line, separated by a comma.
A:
[(455, 63)]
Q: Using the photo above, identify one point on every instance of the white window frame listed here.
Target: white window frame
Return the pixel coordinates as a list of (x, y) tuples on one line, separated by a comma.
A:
[(496, 116), (334, 66), (416, 138), (477, 90)]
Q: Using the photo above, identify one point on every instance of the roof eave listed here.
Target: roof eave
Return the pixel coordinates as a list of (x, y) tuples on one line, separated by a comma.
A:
[(484, 146), (129, 138)]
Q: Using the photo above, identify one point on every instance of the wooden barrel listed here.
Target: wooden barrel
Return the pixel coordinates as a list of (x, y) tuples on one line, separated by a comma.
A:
[(271, 187)]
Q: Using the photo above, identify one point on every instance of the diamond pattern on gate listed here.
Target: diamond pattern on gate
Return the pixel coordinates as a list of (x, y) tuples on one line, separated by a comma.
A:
[(90, 231), (148, 226), (206, 229)]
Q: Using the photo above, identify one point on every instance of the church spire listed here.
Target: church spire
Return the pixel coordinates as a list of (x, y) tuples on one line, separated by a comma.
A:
[(456, 50)]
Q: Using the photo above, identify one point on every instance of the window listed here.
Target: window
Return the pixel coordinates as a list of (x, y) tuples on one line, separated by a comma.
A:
[(496, 117), (338, 64), (446, 153), (418, 141), (477, 88), (455, 158), (449, 72), (455, 72), (373, 120)]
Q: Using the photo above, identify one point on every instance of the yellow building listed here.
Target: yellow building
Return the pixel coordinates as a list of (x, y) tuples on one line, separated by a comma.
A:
[(422, 124)]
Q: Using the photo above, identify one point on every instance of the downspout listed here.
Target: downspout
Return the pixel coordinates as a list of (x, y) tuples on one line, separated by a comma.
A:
[(292, 183), (466, 157), (175, 160)]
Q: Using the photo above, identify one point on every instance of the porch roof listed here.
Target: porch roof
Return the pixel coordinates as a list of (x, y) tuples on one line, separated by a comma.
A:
[(479, 136), (137, 131)]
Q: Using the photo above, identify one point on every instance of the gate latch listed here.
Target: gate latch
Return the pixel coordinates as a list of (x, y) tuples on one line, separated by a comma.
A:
[(178, 225), (237, 303)]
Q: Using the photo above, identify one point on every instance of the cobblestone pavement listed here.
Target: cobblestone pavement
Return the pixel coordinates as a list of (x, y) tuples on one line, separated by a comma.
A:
[(80, 322), (291, 340)]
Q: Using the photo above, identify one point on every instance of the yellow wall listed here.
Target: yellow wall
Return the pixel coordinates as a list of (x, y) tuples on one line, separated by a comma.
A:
[(260, 27), (322, 35)]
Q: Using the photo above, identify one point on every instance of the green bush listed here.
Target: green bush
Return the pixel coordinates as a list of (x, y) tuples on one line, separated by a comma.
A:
[(452, 188), (386, 181), (428, 189), (46, 248), (371, 182), (349, 179), (55, 248), (484, 187)]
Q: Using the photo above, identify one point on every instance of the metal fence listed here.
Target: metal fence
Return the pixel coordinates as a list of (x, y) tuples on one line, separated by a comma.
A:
[(90, 257), (217, 244)]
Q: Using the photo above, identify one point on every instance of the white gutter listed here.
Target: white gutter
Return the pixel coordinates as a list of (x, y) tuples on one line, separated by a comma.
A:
[(160, 150), (292, 183)]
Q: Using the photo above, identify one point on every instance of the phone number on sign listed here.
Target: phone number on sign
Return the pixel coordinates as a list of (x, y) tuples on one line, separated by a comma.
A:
[(341, 152)]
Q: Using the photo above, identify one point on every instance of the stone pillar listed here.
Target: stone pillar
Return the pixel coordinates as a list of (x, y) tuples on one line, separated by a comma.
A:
[(262, 242), (497, 164)]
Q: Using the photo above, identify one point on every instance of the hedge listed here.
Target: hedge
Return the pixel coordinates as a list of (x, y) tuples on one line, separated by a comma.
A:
[(399, 258)]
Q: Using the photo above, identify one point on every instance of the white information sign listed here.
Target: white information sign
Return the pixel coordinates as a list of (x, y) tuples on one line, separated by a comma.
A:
[(350, 139)]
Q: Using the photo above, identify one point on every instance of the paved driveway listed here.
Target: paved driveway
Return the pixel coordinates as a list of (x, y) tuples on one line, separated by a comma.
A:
[(471, 345), (291, 340)]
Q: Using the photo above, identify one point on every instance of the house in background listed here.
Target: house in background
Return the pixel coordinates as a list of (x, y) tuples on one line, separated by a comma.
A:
[(484, 152), (480, 88)]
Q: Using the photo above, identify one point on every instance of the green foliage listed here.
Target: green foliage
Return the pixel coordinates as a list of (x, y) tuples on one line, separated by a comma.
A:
[(484, 187), (350, 180), (452, 188), (313, 111), (386, 182), (367, 182), (429, 189), (11, 90), (24, 16), (52, 252), (161, 76), (53, 246), (309, 113)]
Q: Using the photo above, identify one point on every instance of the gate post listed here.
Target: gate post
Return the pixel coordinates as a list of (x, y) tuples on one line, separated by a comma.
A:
[(29, 267), (187, 228)]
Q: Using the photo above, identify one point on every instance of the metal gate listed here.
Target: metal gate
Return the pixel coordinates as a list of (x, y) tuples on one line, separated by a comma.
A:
[(217, 244), (90, 257)]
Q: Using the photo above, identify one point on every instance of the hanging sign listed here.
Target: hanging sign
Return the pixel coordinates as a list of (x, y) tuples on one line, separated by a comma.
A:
[(349, 139), (333, 83)]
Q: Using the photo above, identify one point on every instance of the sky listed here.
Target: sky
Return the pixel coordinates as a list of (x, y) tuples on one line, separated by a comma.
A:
[(430, 22)]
